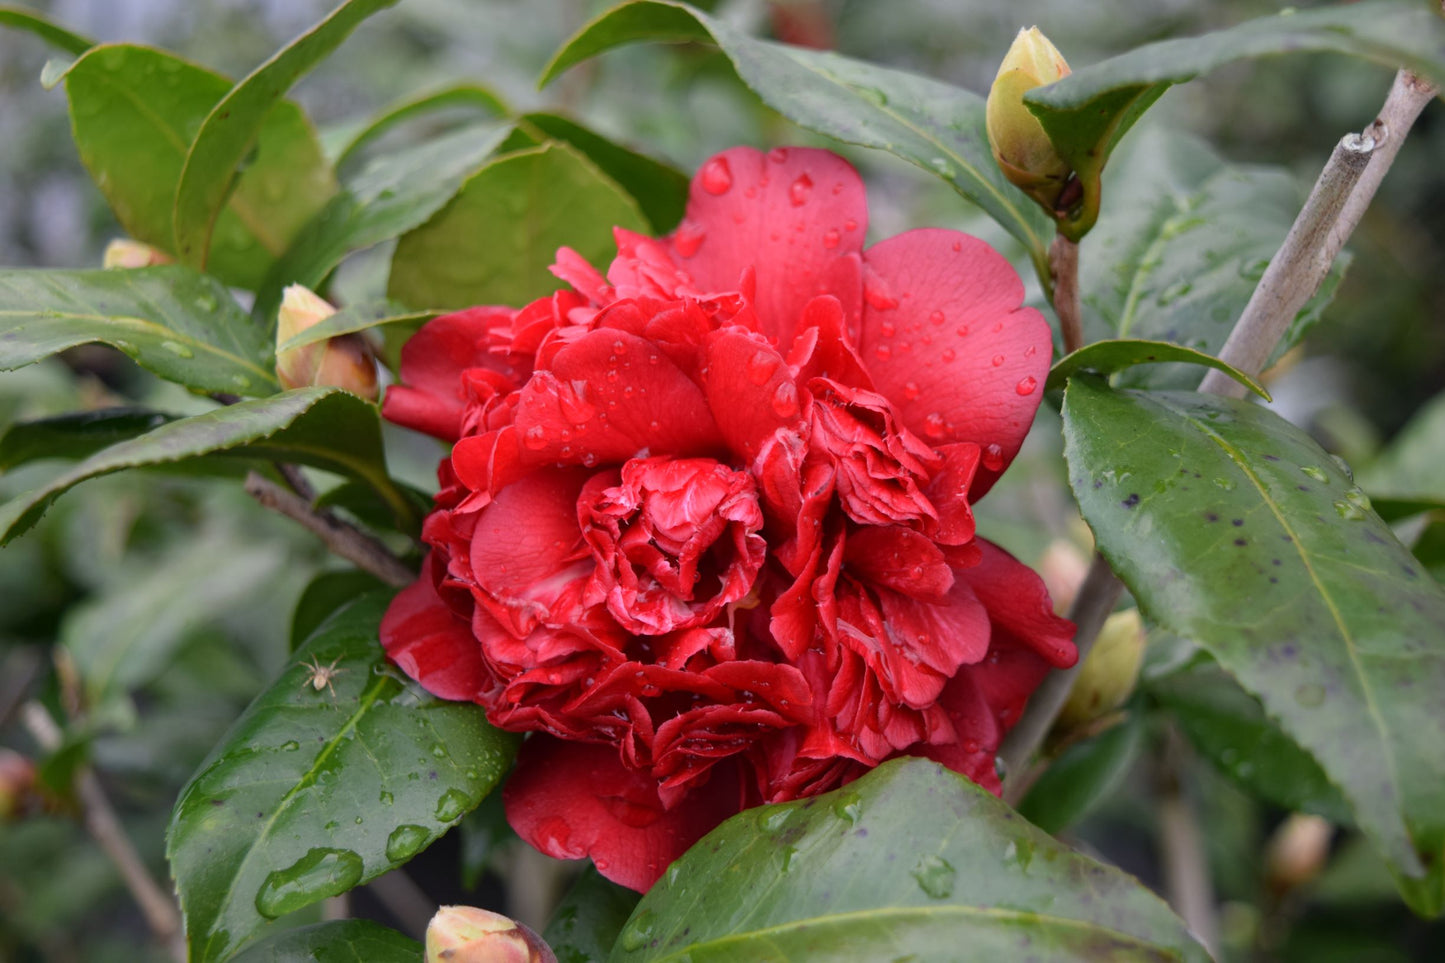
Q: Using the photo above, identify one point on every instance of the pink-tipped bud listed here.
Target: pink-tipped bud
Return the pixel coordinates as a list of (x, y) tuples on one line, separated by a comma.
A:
[(17, 784), (125, 253), (465, 934), (345, 361), (1023, 151), (1298, 851)]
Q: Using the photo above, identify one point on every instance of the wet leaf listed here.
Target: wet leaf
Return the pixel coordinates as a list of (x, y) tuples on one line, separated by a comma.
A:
[(1109, 357), (585, 925), (338, 941)]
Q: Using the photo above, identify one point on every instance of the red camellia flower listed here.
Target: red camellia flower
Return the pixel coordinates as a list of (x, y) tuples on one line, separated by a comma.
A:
[(706, 530)]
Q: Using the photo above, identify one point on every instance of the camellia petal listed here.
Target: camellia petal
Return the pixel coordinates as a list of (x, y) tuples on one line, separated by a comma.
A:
[(432, 398), (1018, 602), (946, 337), (430, 642), (790, 214)]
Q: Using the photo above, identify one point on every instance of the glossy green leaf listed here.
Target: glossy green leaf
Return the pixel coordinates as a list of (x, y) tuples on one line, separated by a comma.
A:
[(1179, 254), (1229, 727), (21, 18), (122, 638), (134, 112), (1083, 776), (466, 95), (1411, 469), (1232, 528), (355, 318), (339, 941), (74, 435), (932, 125), (313, 791), (494, 242), (325, 594), (178, 324), (1086, 113), (236, 122), (1109, 357), (911, 861), (391, 195), (586, 923), (659, 189), (322, 427)]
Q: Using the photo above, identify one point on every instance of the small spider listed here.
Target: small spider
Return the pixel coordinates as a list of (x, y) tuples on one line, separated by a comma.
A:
[(319, 677)]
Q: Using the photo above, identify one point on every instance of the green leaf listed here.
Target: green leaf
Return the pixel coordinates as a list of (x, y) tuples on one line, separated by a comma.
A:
[(1229, 727), (327, 592), (910, 861), (323, 427), (1232, 528), (312, 793), (586, 923), (358, 317), (1108, 357), (466, 95), (178, 324), (1411, 470), (74, 435), (929, 124), (20, 18), (1083, 776), (1179, 252), (391, 195), (493, 243), (1086, 113), (235, 123), (659, 189), (121, 639), (134, 111), (339, 941), (372, 510)]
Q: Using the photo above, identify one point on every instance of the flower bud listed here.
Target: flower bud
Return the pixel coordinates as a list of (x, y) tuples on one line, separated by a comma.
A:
[(17, 784), (465, 934), (125, 253), (1109, 672), (1297, 851), (1023, 151), (345, 361)]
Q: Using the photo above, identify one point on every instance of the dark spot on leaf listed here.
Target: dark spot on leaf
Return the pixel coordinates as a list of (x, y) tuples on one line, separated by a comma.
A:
[(1303, 488), (1211, 516), (1237, 522), (432, 775), (1372, 537), (861, 833), (218, 802), (1273, 580), (1131, 501), (1271, 458), (1098, 484), (1241, 542), (1275, 561)]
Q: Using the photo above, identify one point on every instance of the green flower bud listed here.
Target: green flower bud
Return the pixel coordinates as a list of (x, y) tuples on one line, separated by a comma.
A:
[(465, 934), (345, 361), (1109, 672), (1023, 151), (125, 253)]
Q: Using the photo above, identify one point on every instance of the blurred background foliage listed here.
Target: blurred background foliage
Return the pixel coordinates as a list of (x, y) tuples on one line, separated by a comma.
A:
[(226, 576)]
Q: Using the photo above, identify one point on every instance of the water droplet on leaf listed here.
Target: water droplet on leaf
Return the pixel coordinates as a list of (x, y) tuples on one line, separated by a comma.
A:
[(935, 876), (453, 803), (320, 873), (404, 843)]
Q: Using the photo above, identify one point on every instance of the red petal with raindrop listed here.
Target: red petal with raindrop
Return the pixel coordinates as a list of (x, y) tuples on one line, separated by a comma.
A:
[(978, 376), (432, 397), (430, 642)]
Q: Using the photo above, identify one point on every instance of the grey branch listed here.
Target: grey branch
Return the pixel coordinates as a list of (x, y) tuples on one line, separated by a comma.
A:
[(1064, 268), (342, 539)]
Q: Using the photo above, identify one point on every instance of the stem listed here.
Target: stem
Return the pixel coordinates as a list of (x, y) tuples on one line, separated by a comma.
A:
[(342, 539), (405, 900), (1064, 269), (105, 828), (1181, 845), (1091, 608)]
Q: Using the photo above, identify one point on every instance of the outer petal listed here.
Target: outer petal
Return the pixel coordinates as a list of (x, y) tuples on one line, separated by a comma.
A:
[(1018, 603), (947, 340), (796, 214), (751, 391), (432, 397), (430, 642), (573, 800)]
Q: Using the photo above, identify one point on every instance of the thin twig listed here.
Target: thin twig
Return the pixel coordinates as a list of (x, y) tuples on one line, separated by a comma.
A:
[(105, 827), (1064, 269), (1091, 608), (1187, 882), (293, 477), (342, 539), (404, 900)]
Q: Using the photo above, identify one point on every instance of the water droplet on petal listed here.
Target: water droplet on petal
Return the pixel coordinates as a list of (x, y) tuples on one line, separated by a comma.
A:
[(883, 352), (1031, 350), (761, 367), (997, 360), (937, 318), (887, 329), (934, 426), (688, 239), (716, 176), (785, 400), (850, 225), (992, 457), (910, 391), (800, 190), (831, 239), (1027, 385), (778, 155), (572, 398), (948, 354), (535, 438)]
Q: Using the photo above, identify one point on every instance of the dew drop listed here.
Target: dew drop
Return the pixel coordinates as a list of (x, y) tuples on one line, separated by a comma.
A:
[(883, 352), (688, 239), (887, 329), (997, 360), (961, 330), (453, 803), (405, 842), (800, 190), (850, 225), (638, 931), (935, 876), (775, 819), (934, 426), (831, 239), (788, 853), (322, 872), (1318, 474), (761, 367), (992, 457), (937, 318), (877, 295), (387, 798), (948, 354), (958, 245), (572, 398), (716, 176), (1027, 385), (535, 438), (785, 400), (848, 807), (1031, 350), (910, 391), (178, 349), (290, 745)]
